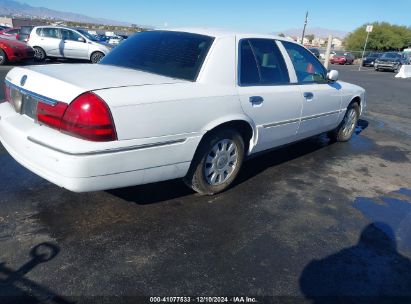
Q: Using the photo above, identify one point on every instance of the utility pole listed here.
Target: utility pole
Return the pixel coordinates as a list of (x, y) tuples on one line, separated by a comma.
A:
[(305, 24), (328, 51)]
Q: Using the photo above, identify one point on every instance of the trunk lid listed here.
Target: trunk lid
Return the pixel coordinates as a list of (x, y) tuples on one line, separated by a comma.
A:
[(64, 82)]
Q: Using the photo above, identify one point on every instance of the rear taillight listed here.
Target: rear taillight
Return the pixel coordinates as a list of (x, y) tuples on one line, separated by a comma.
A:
[(27, 39), (51, 115), (18, 36), (87, 117)]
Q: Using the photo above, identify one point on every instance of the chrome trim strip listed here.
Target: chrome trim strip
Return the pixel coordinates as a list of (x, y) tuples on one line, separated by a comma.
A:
[(302, 119), (108, 151), (44, 99), (320, 115), (281, 123)]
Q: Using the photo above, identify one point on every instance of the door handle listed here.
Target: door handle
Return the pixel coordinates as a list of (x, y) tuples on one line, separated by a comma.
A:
[(256, 100), (309, 96)]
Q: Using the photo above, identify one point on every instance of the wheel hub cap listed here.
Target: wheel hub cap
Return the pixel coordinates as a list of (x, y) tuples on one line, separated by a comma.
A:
[(350, 122), (221, 162)]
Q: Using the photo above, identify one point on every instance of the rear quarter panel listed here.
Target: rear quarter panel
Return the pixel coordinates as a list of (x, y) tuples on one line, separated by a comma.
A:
[(186, 109)]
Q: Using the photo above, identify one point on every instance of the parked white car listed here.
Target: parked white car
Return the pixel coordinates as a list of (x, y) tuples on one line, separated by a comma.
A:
[(64, 42), (171, 104)]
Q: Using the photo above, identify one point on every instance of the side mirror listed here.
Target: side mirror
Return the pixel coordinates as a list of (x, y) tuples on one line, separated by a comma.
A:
[(332, 75), (81, 39)]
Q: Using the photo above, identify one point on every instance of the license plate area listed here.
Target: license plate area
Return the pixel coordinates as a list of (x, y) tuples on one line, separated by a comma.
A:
[(29, 107)]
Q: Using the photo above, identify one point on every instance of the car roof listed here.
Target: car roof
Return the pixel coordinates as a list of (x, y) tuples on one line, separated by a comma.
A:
[(217, 33)]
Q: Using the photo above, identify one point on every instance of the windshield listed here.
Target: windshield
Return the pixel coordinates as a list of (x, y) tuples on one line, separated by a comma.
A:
[(172, 54), (88, 35), (390, 56)]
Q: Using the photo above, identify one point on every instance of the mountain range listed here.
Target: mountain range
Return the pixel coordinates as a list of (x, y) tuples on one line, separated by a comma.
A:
[(14, 8)]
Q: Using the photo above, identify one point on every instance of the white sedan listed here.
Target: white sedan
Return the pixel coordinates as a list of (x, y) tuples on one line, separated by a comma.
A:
[(169, 104)]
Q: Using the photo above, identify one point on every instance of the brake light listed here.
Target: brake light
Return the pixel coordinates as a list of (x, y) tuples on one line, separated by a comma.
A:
[(18, 36), (51, 115), (89, 117), (27, 39)]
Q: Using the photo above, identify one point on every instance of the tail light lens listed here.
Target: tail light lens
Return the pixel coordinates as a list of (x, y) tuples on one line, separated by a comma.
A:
[(18, 36), (87, 117), (51, 115), (27, 39)]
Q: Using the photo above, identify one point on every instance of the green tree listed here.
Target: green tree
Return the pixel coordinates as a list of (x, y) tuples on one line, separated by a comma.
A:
[(384, 37), (310, 37), (281, 35)]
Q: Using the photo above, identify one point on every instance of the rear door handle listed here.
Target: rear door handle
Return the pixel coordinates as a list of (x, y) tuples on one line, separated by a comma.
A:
[(308, 96), (256, 100)]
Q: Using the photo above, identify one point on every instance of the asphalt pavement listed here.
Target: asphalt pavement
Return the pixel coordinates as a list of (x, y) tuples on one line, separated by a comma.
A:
[(310, 220)]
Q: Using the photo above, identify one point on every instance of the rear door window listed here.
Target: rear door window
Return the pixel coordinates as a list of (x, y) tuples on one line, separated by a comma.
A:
[(261, 63), (48, 32)]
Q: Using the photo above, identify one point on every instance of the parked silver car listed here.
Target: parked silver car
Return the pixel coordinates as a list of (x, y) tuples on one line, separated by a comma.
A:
[(63, 42)]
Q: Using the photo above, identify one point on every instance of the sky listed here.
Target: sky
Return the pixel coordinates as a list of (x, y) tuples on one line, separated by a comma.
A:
[(255, 15)]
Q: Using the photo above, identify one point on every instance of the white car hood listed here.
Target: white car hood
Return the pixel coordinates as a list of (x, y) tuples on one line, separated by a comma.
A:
[(64, 82)]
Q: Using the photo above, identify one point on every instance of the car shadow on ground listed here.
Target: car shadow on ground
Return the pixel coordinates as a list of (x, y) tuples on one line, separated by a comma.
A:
[(372, 271), (173, 189), (15, 288)]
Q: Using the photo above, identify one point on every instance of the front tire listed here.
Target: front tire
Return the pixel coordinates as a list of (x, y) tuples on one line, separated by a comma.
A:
[(216, 163), (346, 129), (39, 54), (96, 57), (3, 57)]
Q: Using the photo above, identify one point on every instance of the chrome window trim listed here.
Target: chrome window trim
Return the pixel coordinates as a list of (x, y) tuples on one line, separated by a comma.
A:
[(42, 98), (108, 151)]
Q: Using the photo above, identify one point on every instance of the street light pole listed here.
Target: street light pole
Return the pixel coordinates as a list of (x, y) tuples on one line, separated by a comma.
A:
[(305, 24)]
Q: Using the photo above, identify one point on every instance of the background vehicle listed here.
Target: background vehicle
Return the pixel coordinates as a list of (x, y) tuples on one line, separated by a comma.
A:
[(63, 42), (115, 40), (342, 58), (13, 51), (148, 113), (10, 32), (370, 59), (24, 33), (391, 61), (315, 51)]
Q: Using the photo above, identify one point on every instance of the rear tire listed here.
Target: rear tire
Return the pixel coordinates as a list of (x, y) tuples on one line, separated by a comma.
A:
[(96, 57), (3, 57), (216, 163), (346, 129), (39, 54)]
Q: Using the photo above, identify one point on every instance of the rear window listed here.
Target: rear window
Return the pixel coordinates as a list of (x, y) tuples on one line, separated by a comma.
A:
[(25, 30), (172, 54)]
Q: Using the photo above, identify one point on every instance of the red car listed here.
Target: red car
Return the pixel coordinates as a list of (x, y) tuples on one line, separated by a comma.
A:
[(13, 50), (10, 32), (342, 58)]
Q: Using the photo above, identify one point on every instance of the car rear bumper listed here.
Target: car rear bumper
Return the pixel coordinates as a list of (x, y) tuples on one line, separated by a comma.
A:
[(88, 166)]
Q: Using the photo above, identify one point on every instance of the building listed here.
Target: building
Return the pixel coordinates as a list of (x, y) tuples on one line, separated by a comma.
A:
[(18, 22), (337, 42)]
